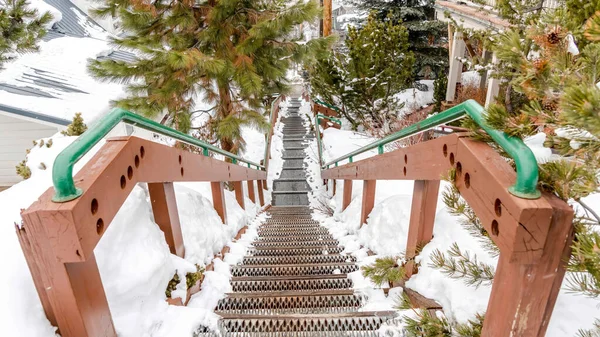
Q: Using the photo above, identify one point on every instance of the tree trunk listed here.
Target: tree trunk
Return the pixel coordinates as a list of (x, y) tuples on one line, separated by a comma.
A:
[(225, 109)]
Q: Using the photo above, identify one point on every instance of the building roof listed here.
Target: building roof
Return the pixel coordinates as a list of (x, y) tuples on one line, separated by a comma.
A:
[(54, 83)]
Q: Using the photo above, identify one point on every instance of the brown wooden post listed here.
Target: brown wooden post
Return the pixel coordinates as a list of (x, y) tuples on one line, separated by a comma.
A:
[(422, 216), (347, 196), (218, 195), (523, 295), (259, 189), (251, 191), (239, 193), (327, 17), (334, 185), (368, 200), (166, 216), (264, 184), (74, 290)]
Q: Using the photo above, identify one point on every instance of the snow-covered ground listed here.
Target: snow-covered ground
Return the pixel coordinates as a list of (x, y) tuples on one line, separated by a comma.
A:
[(386, 230)]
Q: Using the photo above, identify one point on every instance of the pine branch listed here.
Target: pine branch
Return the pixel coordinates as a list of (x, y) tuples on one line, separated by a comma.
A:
[(384, 270), (460, 265)]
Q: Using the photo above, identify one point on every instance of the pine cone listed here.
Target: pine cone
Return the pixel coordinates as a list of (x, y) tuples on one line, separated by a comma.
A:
[(539, 64), (553, 38), (550, 105)]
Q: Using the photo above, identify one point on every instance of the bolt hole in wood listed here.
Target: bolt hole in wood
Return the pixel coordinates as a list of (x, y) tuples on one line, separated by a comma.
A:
[(182, 171), (123, 182), (405, 170), (458, 169), (405, 159), (94, 206), (142, 151), (467, 180), (100, 226), (451, 158), (445, 149), (498, 207), (495, 229), (179, 159), (130, 172), (137, 161)]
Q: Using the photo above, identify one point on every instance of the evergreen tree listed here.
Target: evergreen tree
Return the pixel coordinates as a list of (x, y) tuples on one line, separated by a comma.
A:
[(426, 35), (21, 28), (365, 82), (232, 52)]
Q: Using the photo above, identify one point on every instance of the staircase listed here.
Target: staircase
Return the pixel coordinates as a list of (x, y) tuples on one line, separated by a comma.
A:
[(294, 282), (291, 188)]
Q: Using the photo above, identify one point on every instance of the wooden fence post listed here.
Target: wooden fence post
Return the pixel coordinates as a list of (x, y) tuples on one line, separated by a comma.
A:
[(239, 193), (251, 191), (166, 216), (334, 185), (259, 189), (523, 295), (218, 195), (422, 216), (265, 185), (347, 196), (368, 200)]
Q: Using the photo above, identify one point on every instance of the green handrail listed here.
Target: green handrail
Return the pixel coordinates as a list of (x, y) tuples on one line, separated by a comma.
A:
[(527, 169), (62, 171), (330, 106), (318, 118)]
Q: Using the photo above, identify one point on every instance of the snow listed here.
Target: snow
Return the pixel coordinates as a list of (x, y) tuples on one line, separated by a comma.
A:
[(386, 230), (42, 7)]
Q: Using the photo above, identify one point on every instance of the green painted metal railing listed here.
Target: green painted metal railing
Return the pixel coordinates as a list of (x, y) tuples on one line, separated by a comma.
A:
[(318, 118), (62, 171), (326, 104), (527, 169)]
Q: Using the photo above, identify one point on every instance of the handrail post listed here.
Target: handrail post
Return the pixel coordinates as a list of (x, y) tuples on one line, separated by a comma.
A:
[(422, 216), (368, 200), (239, 193), (259, 189), (251, 190), (218, 195), (347, 196), (523, 295), (166, 216)]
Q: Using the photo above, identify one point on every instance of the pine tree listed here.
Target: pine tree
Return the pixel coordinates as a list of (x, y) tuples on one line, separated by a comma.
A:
[(384, 270), (21, 28), (232, 52), (426, 35), (366, 82), (77, 127)]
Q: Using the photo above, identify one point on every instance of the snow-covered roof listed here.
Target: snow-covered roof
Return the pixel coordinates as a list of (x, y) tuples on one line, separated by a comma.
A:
[(54, 82)]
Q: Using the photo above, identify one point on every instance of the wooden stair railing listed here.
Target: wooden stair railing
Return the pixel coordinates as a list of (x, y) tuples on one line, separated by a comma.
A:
[(533, 230), (62, 228)]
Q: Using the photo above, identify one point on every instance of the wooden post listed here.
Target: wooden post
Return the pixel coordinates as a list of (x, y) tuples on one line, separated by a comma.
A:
[(251, 191), (493, 87), (334, 186), (239, 193), (166, 216), (327, 17), (265, 185), (368, 200), (347, 196), (259, 189), (454, 75), (422, 216), (218, 195), (523, 295)]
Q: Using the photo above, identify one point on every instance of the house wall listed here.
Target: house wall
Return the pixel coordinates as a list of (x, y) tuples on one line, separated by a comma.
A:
[(16, 136)]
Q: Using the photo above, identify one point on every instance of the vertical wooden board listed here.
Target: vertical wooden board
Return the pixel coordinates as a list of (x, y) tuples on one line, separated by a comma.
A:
[(166, 215), (259, 189), (347, 196), (422, 217), (218, 195), (368, 200), (251, 191), (239, 193), (533, 288)]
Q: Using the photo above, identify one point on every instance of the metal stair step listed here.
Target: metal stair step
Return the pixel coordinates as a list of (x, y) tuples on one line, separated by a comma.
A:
[(278, 251), (290, 285), (301, 259), (294, 269), (319, 243), (308, 238)]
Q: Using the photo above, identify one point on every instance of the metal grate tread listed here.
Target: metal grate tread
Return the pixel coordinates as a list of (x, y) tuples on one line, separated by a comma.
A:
[(321, 243), (275, 251), (297, 259), (284, 270), (266, 286), (313, 237)]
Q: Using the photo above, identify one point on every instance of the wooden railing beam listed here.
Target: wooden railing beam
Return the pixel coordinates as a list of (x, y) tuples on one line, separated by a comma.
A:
[(166, 215), (368, 200)]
